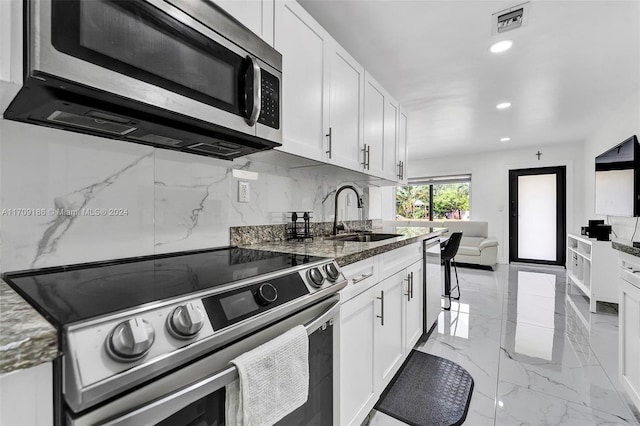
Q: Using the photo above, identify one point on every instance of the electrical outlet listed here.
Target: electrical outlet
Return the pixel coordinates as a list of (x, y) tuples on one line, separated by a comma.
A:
[(243, 192)]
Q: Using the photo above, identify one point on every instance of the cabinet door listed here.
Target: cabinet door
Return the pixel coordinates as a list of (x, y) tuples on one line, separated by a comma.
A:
[(345, 112), (413, 303), (26, 396), (629, 342), (257, 15), (374, 105), (357, 328), (389, 342), (402, 146), (303, 44), (390, 153)]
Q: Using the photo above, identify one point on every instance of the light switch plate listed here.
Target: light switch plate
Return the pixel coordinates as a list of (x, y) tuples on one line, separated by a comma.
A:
[(243, 192)]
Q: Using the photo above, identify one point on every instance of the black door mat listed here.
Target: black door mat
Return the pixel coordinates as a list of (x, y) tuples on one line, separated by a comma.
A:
[(428, 391)]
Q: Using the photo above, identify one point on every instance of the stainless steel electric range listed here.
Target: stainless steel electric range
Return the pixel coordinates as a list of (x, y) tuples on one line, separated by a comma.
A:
[(148, 340)]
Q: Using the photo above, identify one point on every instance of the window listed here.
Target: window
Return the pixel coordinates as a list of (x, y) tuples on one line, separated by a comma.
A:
[(435, 198)]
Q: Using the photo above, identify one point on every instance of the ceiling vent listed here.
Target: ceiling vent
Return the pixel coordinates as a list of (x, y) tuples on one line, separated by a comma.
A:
[(509, 19)]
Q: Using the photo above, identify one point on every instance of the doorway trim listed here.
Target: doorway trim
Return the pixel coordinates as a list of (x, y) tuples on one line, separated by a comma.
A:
[(561, 212)]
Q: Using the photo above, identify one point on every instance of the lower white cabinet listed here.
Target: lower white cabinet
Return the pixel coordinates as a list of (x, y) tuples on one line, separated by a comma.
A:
[(388, 343), (629, 318), (357, 330), (26, 396), (413, 299), (379, 324)]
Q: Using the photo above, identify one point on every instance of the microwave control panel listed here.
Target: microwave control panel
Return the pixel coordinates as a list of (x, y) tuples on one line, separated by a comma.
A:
[(270, 108)]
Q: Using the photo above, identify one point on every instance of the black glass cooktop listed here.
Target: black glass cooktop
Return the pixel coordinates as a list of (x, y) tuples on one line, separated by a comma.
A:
[(69, 294)]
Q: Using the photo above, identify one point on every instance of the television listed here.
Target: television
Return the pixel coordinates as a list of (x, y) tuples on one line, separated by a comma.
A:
[(618, 180)]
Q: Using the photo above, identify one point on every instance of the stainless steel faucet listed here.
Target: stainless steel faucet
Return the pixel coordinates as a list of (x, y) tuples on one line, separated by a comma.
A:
[(335, 216)]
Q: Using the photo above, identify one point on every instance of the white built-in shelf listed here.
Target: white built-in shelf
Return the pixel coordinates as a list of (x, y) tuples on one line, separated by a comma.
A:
[(592, 268)]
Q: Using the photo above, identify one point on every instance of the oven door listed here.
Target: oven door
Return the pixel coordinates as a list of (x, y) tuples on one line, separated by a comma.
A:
[(195, 394), (153, 52)]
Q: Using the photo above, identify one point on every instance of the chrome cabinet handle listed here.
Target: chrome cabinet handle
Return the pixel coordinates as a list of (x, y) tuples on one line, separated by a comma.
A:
[(364, 155), (401, 170), (330, 141), (411, 284), (381, 299), (399, 175), (408, 293), (257, 93), (362, 278), (368, 156)]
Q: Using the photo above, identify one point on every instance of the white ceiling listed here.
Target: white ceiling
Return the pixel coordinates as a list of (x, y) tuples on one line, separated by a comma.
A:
[(572, 63)]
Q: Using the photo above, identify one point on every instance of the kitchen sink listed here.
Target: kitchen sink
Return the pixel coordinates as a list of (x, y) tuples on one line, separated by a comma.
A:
[(365, 238)]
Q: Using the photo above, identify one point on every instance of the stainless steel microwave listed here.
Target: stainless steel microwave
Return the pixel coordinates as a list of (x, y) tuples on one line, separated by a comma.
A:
[(177, 74)]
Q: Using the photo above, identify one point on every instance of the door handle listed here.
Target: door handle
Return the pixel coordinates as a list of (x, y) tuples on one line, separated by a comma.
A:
[(368, 156), (408, 293), (364, 156), (411, 284), (257, 93), (381, 299), (330, 141)]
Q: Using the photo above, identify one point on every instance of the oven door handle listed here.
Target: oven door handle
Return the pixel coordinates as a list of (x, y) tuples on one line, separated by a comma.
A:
[(166, 405)]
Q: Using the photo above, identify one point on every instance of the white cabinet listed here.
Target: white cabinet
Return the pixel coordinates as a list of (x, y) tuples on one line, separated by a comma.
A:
[(26, 396), (589, 264), (257, 15), (412, 299), (344, 138), (381, 126), (379, 325), (402, 148), (357, 329), (390, 149), (629, 325), (374, 104), (388, 342), (303, 44)]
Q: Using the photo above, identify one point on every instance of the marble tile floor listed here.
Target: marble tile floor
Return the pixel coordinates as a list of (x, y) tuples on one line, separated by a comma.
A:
[(536, 353)]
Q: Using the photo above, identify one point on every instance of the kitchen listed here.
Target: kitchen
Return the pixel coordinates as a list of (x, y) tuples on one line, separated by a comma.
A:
[(164, 201)]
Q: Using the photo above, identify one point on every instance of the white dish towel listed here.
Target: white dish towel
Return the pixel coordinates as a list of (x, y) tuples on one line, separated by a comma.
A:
[(274, 381)]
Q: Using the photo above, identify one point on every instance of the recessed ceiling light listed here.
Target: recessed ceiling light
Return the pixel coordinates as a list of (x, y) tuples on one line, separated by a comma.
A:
[(501, 46), (503, 105), (505, 139)]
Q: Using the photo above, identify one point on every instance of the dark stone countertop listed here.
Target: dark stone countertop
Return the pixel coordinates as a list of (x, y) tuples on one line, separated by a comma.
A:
[(26, 338), (626, 248), (347, 252)]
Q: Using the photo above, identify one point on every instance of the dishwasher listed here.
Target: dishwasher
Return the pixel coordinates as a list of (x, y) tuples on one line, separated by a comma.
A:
[(432, 282)]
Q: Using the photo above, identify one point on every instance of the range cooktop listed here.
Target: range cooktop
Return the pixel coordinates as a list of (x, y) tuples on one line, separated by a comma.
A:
[(69, 294)]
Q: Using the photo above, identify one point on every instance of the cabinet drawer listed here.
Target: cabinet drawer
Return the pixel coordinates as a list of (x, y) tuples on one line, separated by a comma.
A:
[(396, 260), (360, 276)]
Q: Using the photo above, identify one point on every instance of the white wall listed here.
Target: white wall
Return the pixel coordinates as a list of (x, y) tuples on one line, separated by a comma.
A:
[(623, 122), (163, 200), (490, 182)]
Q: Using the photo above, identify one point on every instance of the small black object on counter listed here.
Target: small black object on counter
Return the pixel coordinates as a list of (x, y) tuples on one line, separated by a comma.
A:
[(299, 231)]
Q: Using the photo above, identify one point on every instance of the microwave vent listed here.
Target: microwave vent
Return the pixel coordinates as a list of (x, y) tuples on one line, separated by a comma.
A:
[(162, 140), (221, 148), (90, 122)]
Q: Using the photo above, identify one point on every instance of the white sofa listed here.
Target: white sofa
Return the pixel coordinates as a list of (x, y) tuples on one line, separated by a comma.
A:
[(476, 247)]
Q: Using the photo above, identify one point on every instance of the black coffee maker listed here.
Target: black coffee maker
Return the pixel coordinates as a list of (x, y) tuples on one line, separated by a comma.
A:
[(597, 229)]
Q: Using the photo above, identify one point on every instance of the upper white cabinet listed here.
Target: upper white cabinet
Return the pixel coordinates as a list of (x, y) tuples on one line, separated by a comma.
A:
[(333, 110), (257, 15), (381, 127), (303, 44), (402, 147), (344, 138), (374, 105), (390, 152)]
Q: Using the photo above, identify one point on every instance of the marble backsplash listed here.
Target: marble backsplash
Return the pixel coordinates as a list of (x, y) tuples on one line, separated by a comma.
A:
[(70, 198)]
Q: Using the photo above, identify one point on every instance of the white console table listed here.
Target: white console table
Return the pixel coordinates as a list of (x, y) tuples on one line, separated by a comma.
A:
[(592, 266)]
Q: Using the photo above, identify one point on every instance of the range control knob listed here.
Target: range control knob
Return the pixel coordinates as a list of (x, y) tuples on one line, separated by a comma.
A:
[(332, 272), (315, 277), (130, 340), (185, 321), (266, 294)]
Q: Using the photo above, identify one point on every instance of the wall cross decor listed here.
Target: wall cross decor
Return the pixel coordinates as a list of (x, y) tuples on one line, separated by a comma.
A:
[(538, 154)]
